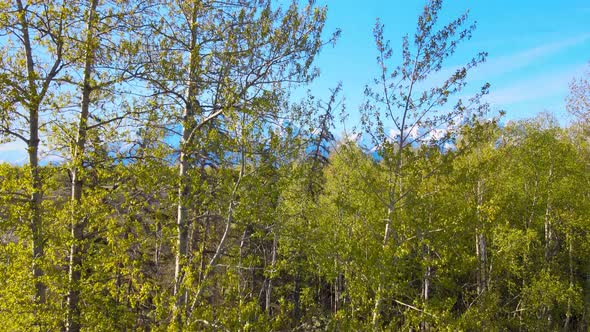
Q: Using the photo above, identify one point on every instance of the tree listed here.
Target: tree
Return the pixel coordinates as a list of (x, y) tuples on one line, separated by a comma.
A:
[(402, 97), (37, 32), (578, 101), (217, 63), (103, 68)]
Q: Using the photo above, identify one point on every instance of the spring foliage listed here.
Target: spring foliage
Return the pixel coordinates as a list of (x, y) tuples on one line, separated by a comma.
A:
[(187, 190)]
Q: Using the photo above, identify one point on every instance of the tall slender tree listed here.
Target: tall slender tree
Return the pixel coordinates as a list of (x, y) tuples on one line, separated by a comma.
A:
[(415, 111), (104, 67), (31, 60), (217, 61)]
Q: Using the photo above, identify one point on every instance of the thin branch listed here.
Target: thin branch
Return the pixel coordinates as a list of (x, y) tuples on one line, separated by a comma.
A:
[(15, 134), (414, 308)]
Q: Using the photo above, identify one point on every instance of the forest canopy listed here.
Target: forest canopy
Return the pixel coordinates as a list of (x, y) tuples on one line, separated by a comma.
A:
[(190, 188)]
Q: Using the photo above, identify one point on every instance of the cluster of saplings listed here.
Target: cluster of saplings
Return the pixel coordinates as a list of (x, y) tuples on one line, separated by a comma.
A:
[(173, 182)]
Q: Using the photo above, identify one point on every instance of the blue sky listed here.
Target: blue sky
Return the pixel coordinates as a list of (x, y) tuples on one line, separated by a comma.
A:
[(535, 49)]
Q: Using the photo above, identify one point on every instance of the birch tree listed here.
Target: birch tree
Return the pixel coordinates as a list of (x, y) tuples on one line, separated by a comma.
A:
[(31, 60), (216, 60), (106, 58), (403, 99)]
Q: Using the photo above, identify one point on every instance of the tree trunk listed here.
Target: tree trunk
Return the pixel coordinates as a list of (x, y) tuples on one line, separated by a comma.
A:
[(480, 244), (587, 298), (548, 225), (297, 299), (337, 290), (35, 208), (424, 326), (36, 219), (568, 314), (182, 225), (182, 229), (426, 279), (36, 198), (378, 294), (268, 293), (395, 185), (240, 276), (78, 221)]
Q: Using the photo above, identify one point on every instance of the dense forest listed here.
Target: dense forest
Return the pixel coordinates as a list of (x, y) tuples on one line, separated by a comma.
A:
[(174, 181)]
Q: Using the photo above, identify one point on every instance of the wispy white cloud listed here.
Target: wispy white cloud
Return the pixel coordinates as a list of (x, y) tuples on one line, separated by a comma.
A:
[(544, 85), (496, 66), (499, 65)]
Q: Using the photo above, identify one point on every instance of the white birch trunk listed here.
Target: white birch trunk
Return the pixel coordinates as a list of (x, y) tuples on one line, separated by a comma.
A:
[(182, 225)]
